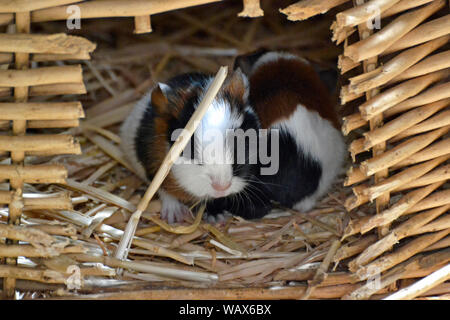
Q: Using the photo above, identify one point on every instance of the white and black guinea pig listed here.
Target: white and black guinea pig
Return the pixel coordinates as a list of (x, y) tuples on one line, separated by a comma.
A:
[(289, 95), (150, 130)]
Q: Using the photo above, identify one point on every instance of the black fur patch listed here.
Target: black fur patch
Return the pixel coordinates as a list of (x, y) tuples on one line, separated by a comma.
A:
[(298, 175)]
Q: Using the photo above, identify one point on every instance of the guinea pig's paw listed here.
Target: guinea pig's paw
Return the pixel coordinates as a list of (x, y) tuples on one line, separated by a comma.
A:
[(174, 211), (306, 204)]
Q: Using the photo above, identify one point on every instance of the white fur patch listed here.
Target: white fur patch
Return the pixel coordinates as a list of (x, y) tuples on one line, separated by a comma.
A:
[(128, 132), (324, 143), (210, 141), (275, 55), (197, 180)]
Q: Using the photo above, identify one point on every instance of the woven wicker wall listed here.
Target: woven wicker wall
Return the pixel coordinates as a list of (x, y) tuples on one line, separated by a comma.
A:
[(400, 145), (22, 49), (403, 122)]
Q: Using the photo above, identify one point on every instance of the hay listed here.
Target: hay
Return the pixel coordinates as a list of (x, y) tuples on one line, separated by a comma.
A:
[(70, 230)]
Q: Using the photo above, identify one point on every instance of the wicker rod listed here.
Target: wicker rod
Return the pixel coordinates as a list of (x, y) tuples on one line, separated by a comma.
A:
[(115, 8), (17, 156)]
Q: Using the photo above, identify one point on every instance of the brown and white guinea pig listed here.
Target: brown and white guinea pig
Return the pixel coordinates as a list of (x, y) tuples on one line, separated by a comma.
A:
[(151, 129), (288, 94)]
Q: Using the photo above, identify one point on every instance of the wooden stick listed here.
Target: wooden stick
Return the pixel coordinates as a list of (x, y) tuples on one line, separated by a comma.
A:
[(252, 9), (437, 199), (41, 111), (40, 124), (401, 180), (26, 5), (6, 18), (437, 225), (142, 24), (444, 243), (422, 285), (436, 93), (388, 261), (149, 267), (403, 5), (440, 120), (426, 32), (402, 231), (439, 174), (19, 126), (353, 248), (352, 122), (258, 293), (433, 63), (405, 121), (399, 208), (346, 64), (58, 43), (168, 161), (57, 89), (418, 266), (390, 34), (401, 152), (46, 276), (354, 175), (41, 76), (60, 230), (14, 251), (49, 143), (395, 68), (435, 150), (305, 9), (362, 13), (321, 271), (115, 8), (44, 173), (61, 201), (44, 57), (395, 95)]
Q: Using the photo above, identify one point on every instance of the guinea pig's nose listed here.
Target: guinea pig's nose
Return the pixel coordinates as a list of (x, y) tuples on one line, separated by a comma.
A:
[(221, 186)]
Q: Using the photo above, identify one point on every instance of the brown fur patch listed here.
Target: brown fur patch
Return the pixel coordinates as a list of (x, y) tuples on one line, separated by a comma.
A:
[(283, 84), (159, 100), (236, 85)]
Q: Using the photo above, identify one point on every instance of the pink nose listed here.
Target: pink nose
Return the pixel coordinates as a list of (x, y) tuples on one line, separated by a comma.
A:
[(221, 186)]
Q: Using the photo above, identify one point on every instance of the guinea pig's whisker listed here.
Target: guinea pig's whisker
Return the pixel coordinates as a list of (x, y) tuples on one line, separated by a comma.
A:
[(254, 193), (262, 182)]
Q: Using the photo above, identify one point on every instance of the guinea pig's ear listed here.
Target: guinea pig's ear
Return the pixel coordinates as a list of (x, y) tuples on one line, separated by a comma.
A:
[(159, 98), (237, 85), (246, 61)]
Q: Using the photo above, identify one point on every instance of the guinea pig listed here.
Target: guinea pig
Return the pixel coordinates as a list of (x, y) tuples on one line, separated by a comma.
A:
[(199, 174), (289, 96)]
